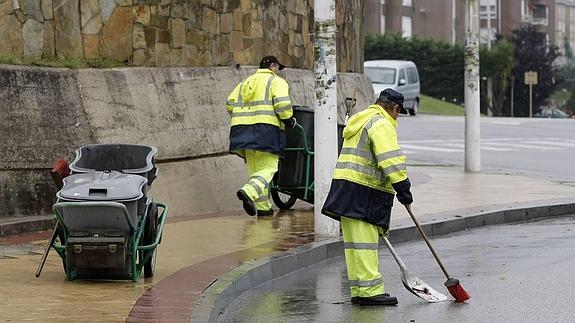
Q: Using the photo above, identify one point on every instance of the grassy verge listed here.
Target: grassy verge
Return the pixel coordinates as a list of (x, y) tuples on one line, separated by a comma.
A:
[(73, 63), (429, 105)]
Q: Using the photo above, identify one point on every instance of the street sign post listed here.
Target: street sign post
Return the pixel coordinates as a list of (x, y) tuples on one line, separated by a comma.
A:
[(530, 79)]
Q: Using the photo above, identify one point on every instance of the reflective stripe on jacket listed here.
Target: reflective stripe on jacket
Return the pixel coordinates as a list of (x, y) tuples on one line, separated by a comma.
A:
[(257, 105), (261, 98), (371, 155)]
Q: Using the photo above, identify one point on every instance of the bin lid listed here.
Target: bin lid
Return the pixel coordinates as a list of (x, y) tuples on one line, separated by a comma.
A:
[(127, 158), (102, 186)]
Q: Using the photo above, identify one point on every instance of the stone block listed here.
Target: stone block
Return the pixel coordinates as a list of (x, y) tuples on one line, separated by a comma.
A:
[(179, 9), (33, 38), (10, 39), (139, 37), (245, 5), (195, 37), (49, 49), (177, 57), (210, 21), (47, 9), (90, 17), (117, 33), (91, 46), (238, 25), (142, 15), (162, 51), (158, 21), (227, 23), (163, 37), (139, 57), (151, 35), (67, 22), (31, 8), (257, 29), (106, 9), (236, 41), (178, 31)]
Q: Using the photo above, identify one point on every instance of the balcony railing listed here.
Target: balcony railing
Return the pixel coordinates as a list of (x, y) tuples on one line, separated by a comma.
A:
[(535, 21)]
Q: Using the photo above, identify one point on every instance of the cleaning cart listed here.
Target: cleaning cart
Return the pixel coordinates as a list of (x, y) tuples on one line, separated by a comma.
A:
[(295, 176), (108, 225)]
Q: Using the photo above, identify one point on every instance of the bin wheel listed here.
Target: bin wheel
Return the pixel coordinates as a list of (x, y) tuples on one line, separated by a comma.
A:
[(149, 237), (282, 200)]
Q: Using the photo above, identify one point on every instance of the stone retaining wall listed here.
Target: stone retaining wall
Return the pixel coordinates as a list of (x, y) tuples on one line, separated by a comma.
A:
[(198, 33), (48, 113)]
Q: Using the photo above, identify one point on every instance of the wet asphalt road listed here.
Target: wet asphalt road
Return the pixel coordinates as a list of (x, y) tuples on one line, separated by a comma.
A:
[(514, 273)]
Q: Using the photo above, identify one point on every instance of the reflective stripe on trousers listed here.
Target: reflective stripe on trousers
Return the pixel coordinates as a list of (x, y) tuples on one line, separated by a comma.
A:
[(261, 169), (360, 241)]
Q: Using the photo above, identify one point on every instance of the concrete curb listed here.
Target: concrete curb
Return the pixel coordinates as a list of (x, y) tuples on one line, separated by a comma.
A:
[(214, 299), (14, 226)]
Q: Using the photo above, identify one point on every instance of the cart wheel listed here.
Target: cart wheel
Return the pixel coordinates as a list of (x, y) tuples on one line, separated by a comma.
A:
[(282, 200), (149, 237)]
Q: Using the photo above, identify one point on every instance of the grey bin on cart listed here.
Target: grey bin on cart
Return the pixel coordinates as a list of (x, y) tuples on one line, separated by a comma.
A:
[(98, 244), (125, 158), (292, 166), (102, 186)]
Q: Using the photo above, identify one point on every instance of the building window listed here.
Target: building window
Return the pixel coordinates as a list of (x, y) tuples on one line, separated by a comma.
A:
[(488, 7), (406, 27), (407, 3), (525, 14)]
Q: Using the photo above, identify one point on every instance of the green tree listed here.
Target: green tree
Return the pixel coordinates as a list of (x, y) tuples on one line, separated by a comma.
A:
[(497, 63), (440, 64), (532, 53)]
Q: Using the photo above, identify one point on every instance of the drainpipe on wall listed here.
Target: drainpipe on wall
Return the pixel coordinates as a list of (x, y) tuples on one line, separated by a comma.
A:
[(325, 115)]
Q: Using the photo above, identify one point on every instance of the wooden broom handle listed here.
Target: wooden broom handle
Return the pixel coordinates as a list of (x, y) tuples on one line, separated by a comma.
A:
[(420, 229)]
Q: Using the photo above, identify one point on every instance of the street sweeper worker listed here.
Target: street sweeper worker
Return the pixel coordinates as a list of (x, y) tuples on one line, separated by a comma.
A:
[(260, 110), (370, 171)]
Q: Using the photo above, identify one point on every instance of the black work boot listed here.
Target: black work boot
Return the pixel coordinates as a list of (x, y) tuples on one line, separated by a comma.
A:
[(383, 299), (355, 300), (249, 205), (269, 212)]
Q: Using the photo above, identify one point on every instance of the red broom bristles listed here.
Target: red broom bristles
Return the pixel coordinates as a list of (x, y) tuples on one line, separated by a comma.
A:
[(61, 168), (456, 290)]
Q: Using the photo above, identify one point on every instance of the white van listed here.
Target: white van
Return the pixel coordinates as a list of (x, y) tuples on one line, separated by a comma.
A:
[(401, 76)]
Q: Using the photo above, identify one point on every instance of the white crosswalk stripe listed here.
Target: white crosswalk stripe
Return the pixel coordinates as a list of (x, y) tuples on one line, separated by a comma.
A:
[(494, 144)]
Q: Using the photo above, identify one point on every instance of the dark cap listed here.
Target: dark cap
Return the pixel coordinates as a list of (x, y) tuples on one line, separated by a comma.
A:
[(393, 96), (266, 61)]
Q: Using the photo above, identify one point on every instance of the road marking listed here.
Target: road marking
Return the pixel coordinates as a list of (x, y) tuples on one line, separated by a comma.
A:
[(430, 148), (483, 147), (506, 144), (552, 143)]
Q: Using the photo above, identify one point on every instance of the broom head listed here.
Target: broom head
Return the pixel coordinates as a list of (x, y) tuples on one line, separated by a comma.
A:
[(456, 290), (60, 170)]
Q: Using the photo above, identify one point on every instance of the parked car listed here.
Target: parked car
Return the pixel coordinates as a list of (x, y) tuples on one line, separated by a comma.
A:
[(547, 112), (401, 76)]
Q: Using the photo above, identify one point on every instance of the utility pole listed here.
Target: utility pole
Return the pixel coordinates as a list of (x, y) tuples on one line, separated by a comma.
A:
[(453, 27), (325, 115), (489, 78), (472, 125)]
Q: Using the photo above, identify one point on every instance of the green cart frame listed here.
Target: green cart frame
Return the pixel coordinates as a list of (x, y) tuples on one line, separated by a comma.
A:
[(284, 191), (141, 241)]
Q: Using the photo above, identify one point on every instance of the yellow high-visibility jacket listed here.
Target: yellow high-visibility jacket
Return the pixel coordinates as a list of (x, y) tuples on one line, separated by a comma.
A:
[(257, 106), (369, 164)]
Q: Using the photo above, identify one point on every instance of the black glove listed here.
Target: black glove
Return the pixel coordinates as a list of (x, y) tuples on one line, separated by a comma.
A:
[(290, 123), (403, 193)]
